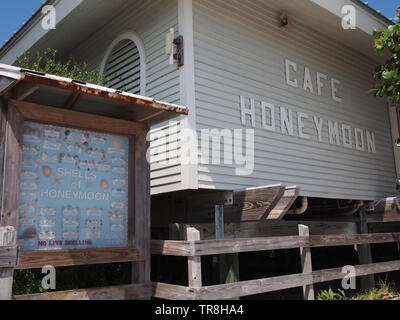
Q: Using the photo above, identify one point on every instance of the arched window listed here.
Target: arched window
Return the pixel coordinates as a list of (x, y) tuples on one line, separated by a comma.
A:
[(124, 64)]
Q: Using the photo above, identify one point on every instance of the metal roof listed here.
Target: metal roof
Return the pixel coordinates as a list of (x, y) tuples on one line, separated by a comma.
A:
[(62, 92)]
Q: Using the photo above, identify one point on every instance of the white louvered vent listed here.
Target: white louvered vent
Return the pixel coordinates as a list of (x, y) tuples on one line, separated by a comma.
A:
[(123, 67)]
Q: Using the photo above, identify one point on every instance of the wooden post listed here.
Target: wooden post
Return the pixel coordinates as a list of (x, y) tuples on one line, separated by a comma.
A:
[(365, 254), (8, 237), (194, 263), (306, 263), (228, 264)]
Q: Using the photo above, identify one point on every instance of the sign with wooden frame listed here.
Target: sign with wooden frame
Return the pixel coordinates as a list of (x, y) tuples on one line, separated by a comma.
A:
[(59, 251)]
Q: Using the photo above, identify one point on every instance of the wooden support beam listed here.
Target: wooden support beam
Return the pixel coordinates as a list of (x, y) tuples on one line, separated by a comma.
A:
[(264, 229), (72, 100), (194, 263), (8, 237), (67, 258), (306, 263), (125, 292), (12, 168), (365, 254), (228, 264), (25, 89), (254, 204), (284, 204)]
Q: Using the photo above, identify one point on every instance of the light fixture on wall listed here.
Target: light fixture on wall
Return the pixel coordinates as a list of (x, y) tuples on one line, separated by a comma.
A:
[(285, 21), (172, 42)]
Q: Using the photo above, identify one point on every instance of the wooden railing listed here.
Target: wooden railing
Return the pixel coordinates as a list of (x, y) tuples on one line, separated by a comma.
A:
[(194, 249)]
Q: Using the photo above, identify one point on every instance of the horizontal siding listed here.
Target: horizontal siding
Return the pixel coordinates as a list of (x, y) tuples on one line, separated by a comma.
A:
[(150, 20), (240, 50)]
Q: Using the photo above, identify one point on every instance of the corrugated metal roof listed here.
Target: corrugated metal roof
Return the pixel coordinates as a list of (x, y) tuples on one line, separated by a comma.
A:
[(91, 97)]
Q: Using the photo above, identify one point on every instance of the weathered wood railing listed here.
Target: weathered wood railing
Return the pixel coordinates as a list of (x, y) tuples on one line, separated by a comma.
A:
[(195, 249), (8, 260)]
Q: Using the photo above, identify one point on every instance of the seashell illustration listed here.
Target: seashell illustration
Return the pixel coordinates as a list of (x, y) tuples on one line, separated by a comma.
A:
[(46, 171), (28, 196), (76, 148), (52, 133), (52, 146), (115, 151), (29, 164), (29, 186), (47, 223), (93, 224), (104, 184), (97, 140), (29, 175), (32, 135), (26, 222), (27, 208), (98, 154), (70, 223), (118, 161), (67, 159), (86, 164), (70, 211), (30, 150), (92, 235), (117, 144), (118, 193), (103, 167), (119, 170), (47, 235), (116, 228), (119, 182), (70, 235), (47, 212), (94, 212), (121, 205)]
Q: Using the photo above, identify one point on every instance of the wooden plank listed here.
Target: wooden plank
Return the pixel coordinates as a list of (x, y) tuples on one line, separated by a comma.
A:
[(141, 271), (25, 89), (365, 254), (194, 263), (253, 287), (228, 264), (383, 227), (125, 292), (386, 210), (174, 292), (66, 258), (8, 237), (8, 256), (253, 204), (79, 120), (216, 247), (284, 204), (172, 248), (306, 263), (3, 126), (72, 100), (12, 168), (252, 229), (349, 240)]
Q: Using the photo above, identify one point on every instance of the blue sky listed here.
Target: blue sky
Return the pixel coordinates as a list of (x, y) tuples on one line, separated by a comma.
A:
[(14, 12)]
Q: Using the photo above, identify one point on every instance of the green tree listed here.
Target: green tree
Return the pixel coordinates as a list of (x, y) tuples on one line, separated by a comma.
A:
[(388, 74)]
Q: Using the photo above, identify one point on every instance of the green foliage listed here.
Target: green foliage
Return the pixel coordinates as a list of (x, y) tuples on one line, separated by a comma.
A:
[(47, 62), (388, 74), (70, 278), (331, 295)]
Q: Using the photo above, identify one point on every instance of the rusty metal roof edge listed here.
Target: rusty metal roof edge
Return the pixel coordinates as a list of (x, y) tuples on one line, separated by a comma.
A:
[(88, 88)]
